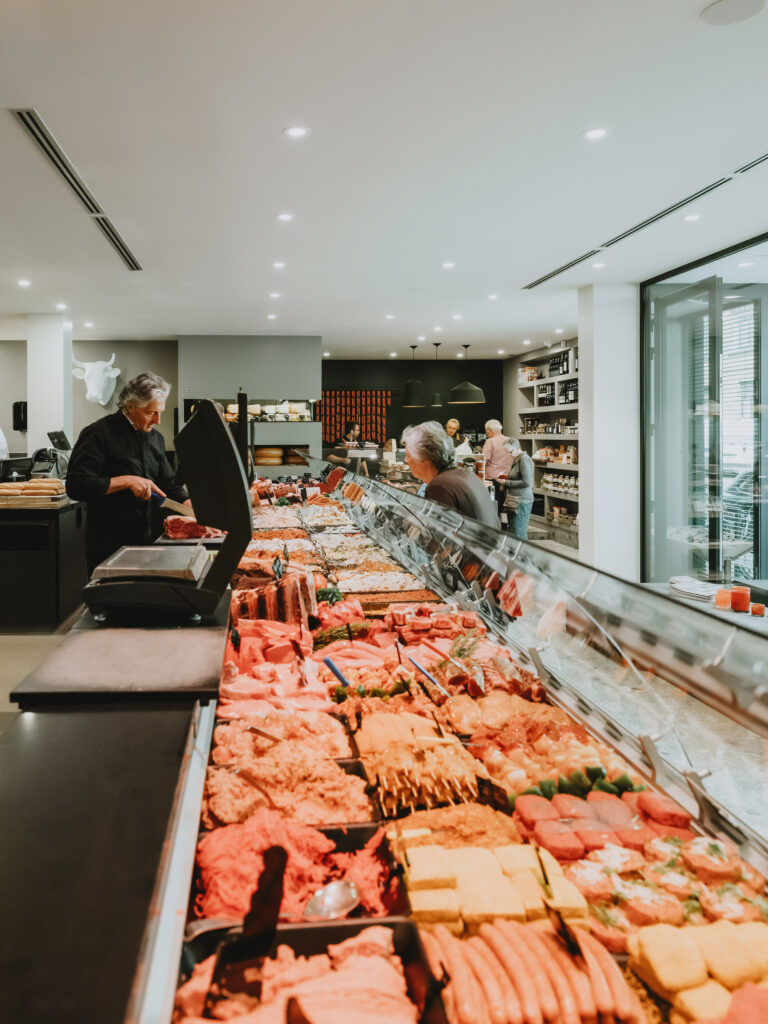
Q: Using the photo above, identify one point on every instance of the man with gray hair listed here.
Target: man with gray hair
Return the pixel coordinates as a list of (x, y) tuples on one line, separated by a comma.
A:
[(430, 455), (117, 464)]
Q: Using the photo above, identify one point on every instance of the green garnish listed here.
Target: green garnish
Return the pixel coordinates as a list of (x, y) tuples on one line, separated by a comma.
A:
[(692, 908), (761, 903), (329, 594), (671, 863), (464, 646), (716, 850), (605, 915), (674, 840)]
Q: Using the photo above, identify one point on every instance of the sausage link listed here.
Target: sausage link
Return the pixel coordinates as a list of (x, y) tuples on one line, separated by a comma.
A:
[(486, 979), (512, 1008), (578, 980), (600, 988), (518, 975), (619, 989), (544, 990), (469, 1010), (566, 998), (439, 968)]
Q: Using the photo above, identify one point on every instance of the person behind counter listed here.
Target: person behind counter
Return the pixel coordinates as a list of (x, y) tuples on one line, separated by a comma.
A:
[(495, 454), (340, 453), (116, 466), (431, 458), (452, 430), (518, 490)]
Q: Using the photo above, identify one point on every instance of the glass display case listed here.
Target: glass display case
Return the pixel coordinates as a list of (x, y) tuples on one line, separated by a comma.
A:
[(682, 695)]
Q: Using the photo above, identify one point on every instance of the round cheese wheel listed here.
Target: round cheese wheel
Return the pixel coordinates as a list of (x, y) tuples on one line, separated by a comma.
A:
[(268, 453), (264, 461)]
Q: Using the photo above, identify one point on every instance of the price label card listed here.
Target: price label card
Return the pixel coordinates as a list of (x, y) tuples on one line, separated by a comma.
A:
[(277, 567), (495, 796), (285, 554)]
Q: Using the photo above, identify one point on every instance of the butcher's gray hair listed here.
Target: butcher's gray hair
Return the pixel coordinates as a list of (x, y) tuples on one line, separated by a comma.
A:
[(146, 388), (494, 425), (429, 442)]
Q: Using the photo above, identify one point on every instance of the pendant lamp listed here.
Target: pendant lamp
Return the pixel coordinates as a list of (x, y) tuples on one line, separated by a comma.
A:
[(413, 390), (466, 393), (437, 401)]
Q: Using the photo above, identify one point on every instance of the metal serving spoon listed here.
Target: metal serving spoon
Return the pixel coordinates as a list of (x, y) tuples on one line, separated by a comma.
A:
[(337, 899)]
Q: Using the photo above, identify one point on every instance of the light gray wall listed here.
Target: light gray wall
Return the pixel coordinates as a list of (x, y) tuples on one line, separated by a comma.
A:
[(276, 368), (132, 357), (13, 388)]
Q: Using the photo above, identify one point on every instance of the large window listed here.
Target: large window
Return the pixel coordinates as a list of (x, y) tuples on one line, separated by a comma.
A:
[(705, 410)]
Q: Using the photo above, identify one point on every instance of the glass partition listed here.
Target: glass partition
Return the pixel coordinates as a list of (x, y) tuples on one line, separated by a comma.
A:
[(680, 694), (705, 379)]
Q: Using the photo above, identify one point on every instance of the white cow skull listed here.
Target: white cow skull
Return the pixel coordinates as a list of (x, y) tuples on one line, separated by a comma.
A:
[(100, 378)]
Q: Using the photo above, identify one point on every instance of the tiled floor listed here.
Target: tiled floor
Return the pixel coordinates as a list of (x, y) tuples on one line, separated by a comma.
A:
[(19, 655)]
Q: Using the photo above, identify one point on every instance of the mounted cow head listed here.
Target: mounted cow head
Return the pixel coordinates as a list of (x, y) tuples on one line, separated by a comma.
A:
[(99, 376)]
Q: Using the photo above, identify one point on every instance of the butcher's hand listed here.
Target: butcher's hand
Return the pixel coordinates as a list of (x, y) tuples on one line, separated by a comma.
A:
[(139, 486)]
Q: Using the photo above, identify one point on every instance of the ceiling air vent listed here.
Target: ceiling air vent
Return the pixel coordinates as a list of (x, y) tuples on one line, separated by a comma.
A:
[(44, 140), (666, 212), (561, 270)]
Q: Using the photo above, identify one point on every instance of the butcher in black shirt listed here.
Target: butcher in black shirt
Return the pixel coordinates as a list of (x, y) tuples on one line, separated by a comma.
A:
[(117, 464)]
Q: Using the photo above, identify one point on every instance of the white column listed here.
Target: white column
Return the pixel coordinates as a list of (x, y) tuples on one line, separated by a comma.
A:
[(609, 429), (49, 379)]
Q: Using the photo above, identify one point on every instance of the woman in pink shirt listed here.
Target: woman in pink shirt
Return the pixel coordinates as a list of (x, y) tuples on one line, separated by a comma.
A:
[(497, 458)]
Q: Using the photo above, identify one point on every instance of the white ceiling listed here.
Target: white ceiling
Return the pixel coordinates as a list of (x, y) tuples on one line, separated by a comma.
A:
[(440, 130)]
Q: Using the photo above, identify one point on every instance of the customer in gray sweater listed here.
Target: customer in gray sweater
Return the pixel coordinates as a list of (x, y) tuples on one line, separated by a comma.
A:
[(518, 490)]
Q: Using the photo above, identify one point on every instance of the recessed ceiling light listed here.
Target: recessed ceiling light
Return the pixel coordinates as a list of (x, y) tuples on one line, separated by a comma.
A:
[(493, 296), (389, 316), (422, 337), (393, 355), (457, 316), (527, 341), (732, 296), (729, 12), (285, 217), (437, 329), (740, 264), (558, 330), (88, 323), (274, 295), (271, 316), (690, 217), (598, 266), (448, 265), (459, 355), (296, 131), (61, 305), (594, 133), (278, 265), (326, 354), (499, 351), (23, 283)]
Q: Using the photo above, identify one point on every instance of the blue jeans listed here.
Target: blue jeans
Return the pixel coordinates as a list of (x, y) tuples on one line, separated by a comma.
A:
[(518, 520)]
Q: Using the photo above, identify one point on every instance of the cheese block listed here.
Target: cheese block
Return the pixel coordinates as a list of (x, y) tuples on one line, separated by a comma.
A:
[(708, 1000), (670, 958), (431, 906), (428, 868), (522, 857), (263, 451), (566, 898), (530, 892), (730, 955), (483, 898), (474, 860)]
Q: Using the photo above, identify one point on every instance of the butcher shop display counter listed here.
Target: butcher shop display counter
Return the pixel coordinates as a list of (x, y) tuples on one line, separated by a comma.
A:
[(681, 695)]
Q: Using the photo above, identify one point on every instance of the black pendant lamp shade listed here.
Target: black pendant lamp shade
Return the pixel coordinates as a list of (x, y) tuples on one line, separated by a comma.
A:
[(437, 401), (466, 393), (413, 390)]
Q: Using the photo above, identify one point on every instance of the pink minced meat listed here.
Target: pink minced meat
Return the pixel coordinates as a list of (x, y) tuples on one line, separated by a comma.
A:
[(359, 981), (230, 861)]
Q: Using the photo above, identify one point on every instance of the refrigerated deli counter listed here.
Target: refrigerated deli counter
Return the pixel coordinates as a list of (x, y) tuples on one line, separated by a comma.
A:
[(679, 694)]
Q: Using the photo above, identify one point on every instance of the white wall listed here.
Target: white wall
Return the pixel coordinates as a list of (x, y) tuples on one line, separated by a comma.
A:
[(13, 388), (132, 357), (609, 429)]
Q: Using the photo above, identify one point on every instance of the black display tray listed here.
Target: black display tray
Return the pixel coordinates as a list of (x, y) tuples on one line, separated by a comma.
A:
[(347, 839), (309, 940), (352, 766)]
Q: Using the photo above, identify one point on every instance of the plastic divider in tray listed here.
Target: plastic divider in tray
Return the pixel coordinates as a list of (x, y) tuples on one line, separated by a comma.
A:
[(309, 940)]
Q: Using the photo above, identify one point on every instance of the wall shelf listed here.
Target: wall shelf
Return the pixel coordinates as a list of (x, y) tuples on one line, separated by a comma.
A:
[(559, 466)]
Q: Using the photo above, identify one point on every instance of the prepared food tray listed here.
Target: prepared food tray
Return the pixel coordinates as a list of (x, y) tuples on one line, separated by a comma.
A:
[(362, 971), (243, 740), (354, 581), (306, 788), (229, 862)]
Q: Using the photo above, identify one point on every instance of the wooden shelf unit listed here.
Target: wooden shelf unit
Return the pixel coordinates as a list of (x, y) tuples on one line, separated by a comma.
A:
[(527, 407)]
